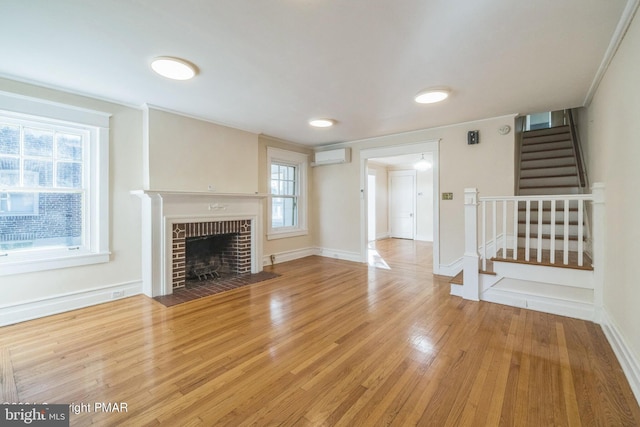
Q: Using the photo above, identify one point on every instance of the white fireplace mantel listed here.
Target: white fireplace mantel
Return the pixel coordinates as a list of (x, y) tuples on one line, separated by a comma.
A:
[(161, 209)]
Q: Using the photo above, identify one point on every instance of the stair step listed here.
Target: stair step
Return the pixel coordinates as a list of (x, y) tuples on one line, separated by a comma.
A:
[(546, 131), (547, 154), (569, 293), (546, 258), (536, 182), (546, 145), (548, 190), (549, 172), (546, 221), (550, 162), (544, 139), (547, 236)]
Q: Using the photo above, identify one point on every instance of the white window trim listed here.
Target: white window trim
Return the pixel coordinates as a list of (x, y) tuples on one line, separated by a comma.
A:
[(300, 160), (97, 219)]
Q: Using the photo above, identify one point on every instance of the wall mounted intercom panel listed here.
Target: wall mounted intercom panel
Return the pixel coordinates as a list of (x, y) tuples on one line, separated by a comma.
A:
[(473, 137)]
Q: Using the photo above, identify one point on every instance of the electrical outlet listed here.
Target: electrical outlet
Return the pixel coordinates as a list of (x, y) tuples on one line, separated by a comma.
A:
[(117, 294), (212, 187), (447, 196)]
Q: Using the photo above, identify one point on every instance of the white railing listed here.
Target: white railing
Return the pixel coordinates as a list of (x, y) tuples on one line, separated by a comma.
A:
[(508, 229), (499, 222)]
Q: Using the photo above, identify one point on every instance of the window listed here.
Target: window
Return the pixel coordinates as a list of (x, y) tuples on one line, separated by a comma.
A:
[(53, 185), (287, 201)]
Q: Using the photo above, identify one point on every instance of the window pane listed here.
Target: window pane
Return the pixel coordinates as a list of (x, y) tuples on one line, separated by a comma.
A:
[(57, 222), (9, 171), (38, 173), (69, 175), (18, 204), (69, 147), (9, 139), (283, 212), (38, 142)]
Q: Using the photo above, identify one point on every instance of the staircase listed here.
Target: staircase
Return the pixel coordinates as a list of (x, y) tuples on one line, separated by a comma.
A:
[(548, 163), (534, 248)]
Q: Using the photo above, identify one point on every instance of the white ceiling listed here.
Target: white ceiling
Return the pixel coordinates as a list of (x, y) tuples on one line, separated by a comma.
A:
[(267, 66)]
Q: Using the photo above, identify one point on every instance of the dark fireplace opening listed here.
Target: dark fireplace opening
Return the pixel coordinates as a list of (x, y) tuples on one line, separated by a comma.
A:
[(210, 257)]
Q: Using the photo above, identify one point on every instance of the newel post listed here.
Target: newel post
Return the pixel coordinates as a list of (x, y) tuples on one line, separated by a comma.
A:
[(598, 244), (470, 288)]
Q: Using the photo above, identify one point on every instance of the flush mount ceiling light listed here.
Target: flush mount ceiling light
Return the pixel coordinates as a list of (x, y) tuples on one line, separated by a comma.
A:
[(173, 68), (322, 123), (422, 164), (430, 96)]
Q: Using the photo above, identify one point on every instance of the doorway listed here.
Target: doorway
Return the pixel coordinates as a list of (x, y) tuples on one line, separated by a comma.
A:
[(430, 150)]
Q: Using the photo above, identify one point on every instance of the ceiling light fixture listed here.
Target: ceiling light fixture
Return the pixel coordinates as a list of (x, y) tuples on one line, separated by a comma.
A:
[(430, 96), (322, 123), (422, 164), (173, 68)]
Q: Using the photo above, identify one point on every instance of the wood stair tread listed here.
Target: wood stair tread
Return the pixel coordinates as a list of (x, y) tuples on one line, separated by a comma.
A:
[(568, 175), (546, 259)]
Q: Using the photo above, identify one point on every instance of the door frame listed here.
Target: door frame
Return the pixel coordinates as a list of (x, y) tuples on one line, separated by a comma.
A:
[(427, 146)]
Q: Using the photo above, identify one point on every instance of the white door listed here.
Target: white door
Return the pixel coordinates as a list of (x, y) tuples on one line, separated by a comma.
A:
[(402, 190)]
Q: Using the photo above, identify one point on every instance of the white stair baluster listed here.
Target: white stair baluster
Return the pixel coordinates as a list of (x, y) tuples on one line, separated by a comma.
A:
[(494, 226), (504, 229), (580, 232), (566, 232), (552, 243), (527, 234), (516, 205), (484, 235), (539, 254)]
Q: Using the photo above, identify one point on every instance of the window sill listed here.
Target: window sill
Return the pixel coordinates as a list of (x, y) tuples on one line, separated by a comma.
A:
[(52, 262), (274, 235)]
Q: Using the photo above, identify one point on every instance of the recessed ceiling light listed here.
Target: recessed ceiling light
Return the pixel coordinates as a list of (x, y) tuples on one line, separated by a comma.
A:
[(430, 96), (173, 68), (322, 123)]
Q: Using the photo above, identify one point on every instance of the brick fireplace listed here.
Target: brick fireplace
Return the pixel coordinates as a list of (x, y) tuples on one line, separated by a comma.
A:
[(236, 254), (169, 218)]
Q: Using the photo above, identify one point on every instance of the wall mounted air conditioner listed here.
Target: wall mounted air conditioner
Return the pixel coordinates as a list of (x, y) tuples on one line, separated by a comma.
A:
[(331, 157)]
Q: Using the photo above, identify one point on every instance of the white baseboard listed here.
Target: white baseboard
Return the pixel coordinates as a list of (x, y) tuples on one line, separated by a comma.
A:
[(381, 236), (451, 269), (424, 238), (629, 362), (289, 255), (339, 254), (23, 311)]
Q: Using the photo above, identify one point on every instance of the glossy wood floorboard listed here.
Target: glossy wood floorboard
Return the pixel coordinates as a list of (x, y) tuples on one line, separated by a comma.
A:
[(330, 343)]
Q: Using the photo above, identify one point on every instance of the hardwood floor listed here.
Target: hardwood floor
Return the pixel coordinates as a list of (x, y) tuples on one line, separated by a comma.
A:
[(329, 342)]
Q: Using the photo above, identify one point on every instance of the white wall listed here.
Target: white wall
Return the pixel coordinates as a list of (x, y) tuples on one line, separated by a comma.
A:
[(125, 175), (613, 156), (189, 155), (489, 166)]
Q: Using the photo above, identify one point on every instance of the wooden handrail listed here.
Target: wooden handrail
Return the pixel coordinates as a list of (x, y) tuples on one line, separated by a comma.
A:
[(576, 147)]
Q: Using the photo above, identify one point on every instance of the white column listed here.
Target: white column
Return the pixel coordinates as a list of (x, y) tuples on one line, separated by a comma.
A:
[(471, 288), (598, 236)]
